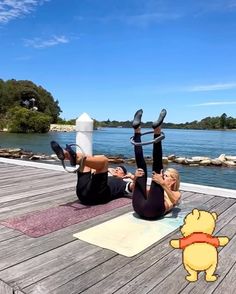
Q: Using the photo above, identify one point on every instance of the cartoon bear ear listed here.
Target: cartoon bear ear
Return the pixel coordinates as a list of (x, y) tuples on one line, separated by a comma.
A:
[(214, 214), (196, 213)]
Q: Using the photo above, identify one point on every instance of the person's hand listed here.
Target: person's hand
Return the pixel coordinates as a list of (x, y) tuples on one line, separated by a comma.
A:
[(128, 176), (139, 173), (158, 178)]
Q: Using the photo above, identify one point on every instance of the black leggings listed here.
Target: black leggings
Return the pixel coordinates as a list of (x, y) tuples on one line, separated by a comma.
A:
[(149, 206), (92, 189)]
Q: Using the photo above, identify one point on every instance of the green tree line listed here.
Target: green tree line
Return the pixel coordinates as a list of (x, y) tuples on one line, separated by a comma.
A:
[(208, 123), (26, 107)]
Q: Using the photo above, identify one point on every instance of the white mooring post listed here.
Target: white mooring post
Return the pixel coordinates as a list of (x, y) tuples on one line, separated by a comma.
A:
[(84, 133)]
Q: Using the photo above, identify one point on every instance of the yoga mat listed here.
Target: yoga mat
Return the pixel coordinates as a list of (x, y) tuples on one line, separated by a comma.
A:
[(128, 234), (40, 223)]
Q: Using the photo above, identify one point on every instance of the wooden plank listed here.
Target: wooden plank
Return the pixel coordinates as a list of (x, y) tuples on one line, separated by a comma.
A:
[(41, 190), (51, 262), (36, 185), (69, 273), (37, 207), (228, 284), (35, 198), (17, 250), (38, 204), (23, 173), (27, 177), (6, 234), (5, 289)]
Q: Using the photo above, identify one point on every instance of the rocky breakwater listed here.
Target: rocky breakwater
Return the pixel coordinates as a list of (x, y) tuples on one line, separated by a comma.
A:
[(18, 153), (222, 160)]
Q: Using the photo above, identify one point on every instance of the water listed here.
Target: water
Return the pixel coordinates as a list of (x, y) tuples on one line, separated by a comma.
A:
[(115, 141)]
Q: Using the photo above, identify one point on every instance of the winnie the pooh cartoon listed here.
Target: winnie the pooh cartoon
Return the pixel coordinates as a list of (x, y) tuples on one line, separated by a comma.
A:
[(199, 246)]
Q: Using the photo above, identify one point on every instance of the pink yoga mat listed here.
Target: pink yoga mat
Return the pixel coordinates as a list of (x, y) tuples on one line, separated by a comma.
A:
[(40, 223)]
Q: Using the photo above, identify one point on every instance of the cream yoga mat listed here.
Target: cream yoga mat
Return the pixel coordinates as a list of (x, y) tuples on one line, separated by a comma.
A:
[(128, 235)]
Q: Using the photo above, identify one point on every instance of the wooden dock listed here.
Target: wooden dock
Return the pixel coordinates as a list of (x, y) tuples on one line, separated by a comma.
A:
[(58, 263)]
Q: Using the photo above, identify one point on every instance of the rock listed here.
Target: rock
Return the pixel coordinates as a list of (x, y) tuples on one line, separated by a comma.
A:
[(5, 154), (16, 150), (222, 158), (205, 162), (231, 158), (35, 157), (165, 160), (190, 161), (200, 158), (216, 161), (24, 156), (171, 157), (181, 160), (229, 163), (54, 156), (116, 160)]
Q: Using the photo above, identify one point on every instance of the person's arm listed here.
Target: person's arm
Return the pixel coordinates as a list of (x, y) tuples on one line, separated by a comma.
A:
[(138, 173), (111, 171), (130, 184), (174, 196)]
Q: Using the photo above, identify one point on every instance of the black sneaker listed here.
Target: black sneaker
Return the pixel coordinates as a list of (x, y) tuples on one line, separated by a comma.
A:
[(137, 119), (160, 120), (58, 150), (72, 155)]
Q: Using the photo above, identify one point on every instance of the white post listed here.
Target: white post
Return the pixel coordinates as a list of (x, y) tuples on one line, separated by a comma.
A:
[(84, 133)]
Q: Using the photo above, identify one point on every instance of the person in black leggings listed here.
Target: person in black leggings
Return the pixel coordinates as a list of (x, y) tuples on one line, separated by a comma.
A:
[(163, 193), (94, 186)]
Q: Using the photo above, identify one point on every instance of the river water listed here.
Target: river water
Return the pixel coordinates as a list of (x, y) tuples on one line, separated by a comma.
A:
[(115, 141)]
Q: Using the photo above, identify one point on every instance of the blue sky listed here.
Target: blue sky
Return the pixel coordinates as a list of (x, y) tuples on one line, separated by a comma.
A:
[(111, 57)]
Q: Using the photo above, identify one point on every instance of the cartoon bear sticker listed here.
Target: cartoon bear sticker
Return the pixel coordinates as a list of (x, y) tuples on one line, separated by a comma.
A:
[(199, 246)]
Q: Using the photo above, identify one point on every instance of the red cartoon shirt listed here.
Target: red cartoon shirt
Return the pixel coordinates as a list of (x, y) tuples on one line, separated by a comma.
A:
[(198, 238)]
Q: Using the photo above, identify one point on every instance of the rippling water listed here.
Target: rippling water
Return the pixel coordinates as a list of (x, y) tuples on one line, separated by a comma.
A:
[(115, 141)]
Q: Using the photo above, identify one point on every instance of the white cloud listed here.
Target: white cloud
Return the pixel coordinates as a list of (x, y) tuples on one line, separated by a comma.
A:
[(12, 9), (215, 103), (39, 43), (148, 18), (144, 19), (211, 87)]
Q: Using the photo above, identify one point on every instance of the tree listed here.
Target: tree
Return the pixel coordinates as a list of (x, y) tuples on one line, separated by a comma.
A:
[(27, 95), (223, 119), (22, 120)]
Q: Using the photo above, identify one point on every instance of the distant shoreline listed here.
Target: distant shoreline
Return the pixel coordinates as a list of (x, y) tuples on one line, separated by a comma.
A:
[(72, 128)]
